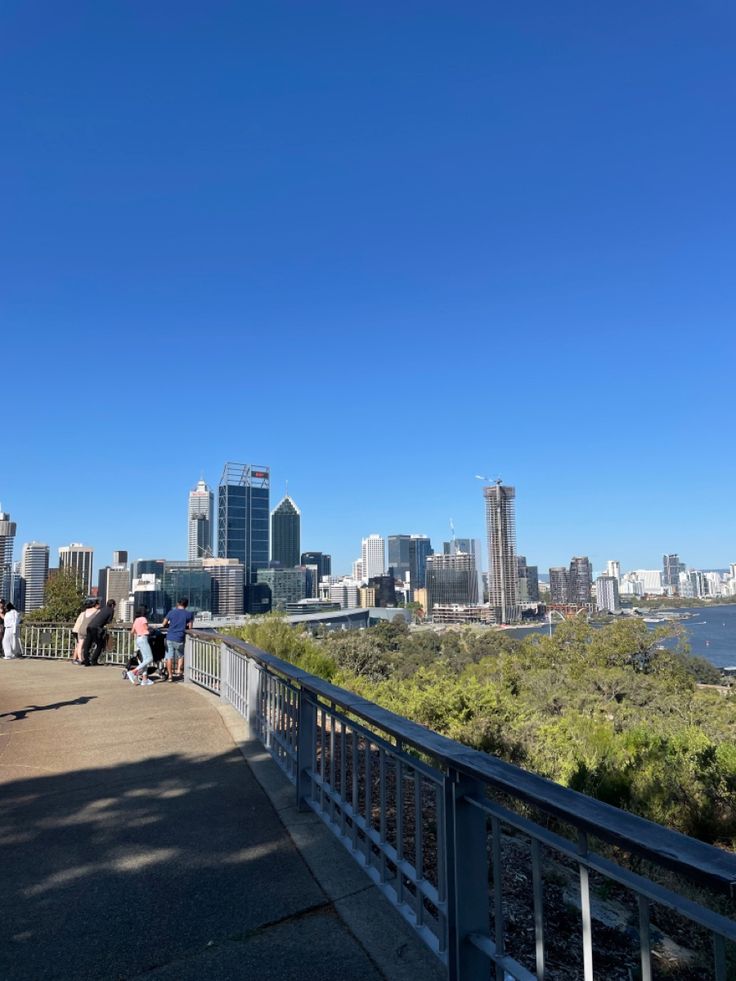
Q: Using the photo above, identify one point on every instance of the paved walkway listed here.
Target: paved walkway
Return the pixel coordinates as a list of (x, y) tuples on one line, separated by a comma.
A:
[(136, 842)]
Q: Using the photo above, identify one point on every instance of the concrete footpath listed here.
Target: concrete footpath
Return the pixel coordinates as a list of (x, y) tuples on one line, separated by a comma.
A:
[(136, 841)]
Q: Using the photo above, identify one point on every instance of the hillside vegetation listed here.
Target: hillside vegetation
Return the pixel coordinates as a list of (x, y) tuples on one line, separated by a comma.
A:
[(606, 711)]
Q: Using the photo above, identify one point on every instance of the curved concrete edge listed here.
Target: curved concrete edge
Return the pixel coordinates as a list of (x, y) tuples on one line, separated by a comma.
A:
[(388, 940)]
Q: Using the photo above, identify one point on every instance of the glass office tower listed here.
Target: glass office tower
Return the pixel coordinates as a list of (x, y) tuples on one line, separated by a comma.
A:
[(244, 518)]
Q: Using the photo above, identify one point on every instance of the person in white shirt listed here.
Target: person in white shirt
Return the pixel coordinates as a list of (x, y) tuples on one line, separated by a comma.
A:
[(11, 637)]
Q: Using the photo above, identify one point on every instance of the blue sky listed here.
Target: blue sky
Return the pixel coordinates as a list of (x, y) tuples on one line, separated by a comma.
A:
[(381, 248)]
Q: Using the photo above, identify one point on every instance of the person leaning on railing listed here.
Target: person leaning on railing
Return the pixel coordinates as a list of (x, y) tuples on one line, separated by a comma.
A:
[(80, 628), (178, 620), (97, 634)]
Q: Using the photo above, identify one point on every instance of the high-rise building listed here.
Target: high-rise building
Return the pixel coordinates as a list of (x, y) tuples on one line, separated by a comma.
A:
[(113, 582), (671, 569), (228, 584), (285, 585), (384, 590), (317, 564), (373, 554), (580, 580), (502, 569), (451, 579), (358, 570), (399, 558), (322, 560), (120, 557), (559, 580), (420, 548), (7, 541), (200, 514), (145, 567), (243, 522), (606, 594), (34, 571), (469, 545), (190, 580), (285, 533), (78, 558), (528, 581), (613, 568)]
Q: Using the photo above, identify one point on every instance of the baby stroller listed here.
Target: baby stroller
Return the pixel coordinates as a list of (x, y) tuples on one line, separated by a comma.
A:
[(157, 641)]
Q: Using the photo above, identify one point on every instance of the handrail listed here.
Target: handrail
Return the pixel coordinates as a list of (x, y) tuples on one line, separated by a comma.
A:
[(704, 863)]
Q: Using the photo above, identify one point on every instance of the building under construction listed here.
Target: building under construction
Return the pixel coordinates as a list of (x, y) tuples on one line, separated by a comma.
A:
[(502, 565)]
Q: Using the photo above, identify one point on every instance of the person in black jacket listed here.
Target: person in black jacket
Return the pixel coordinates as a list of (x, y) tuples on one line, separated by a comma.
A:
[(97, 635)]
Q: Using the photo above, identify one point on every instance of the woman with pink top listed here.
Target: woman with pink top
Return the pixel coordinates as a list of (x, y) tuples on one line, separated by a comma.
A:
[(139, 675)]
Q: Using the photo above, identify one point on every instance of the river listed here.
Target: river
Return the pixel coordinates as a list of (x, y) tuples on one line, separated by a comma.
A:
[(711, 633)]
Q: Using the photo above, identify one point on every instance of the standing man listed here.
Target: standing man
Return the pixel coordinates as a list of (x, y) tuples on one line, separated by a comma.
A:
[(97, 635), (178, 621)]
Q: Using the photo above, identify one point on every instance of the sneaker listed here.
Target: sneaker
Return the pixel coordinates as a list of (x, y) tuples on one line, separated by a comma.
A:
[(131, 677), (147, 682), (125, 674)]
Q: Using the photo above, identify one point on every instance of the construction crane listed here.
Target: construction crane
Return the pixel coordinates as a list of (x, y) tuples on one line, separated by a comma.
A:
[(489, 480)]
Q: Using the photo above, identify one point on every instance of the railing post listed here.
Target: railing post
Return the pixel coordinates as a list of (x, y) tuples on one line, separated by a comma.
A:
[(253, 680), (188, 658), (467, 877), (306, 739), (224, 673)]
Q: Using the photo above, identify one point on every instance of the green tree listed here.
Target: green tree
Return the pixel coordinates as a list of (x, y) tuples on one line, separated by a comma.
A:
[(63, 599)]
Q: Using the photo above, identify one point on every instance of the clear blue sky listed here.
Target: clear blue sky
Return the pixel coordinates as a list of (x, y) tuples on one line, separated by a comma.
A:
[(380, 247)]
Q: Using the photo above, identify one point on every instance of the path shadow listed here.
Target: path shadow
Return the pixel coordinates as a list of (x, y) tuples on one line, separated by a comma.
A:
[(112, 872), (20, 714)]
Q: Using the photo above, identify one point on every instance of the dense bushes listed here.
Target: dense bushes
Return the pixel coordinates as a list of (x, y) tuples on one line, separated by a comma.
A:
[(607, 711)]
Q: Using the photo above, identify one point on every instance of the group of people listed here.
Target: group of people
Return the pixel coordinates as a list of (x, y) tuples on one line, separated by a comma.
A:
[(9, 631), (91, 634), (176, 622), (90, 628)]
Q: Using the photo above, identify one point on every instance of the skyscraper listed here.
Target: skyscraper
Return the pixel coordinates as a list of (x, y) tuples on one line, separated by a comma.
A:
[(200, 515), (7, 540), (580, 580), (373, 555), (34, 571), (559, 584), (502, 568), (398, 555), (285, 533), (317, 564), (243, 519), (451, 579), (420, 548), (77, 558), (671, 569), (613, 569), (528, 581), (227, 585)]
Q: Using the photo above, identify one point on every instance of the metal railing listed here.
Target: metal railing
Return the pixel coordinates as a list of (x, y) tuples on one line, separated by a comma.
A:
[(56, 641), (494, 867), (447, 833)]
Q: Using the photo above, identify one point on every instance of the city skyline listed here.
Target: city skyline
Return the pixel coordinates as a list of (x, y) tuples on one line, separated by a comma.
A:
[(599, 565), (446, 211)]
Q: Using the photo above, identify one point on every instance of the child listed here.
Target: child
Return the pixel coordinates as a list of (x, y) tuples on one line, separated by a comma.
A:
[(139, 675)]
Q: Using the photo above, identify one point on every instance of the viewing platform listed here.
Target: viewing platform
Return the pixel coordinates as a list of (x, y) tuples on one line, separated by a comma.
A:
[(257, 821), (136, 842)]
